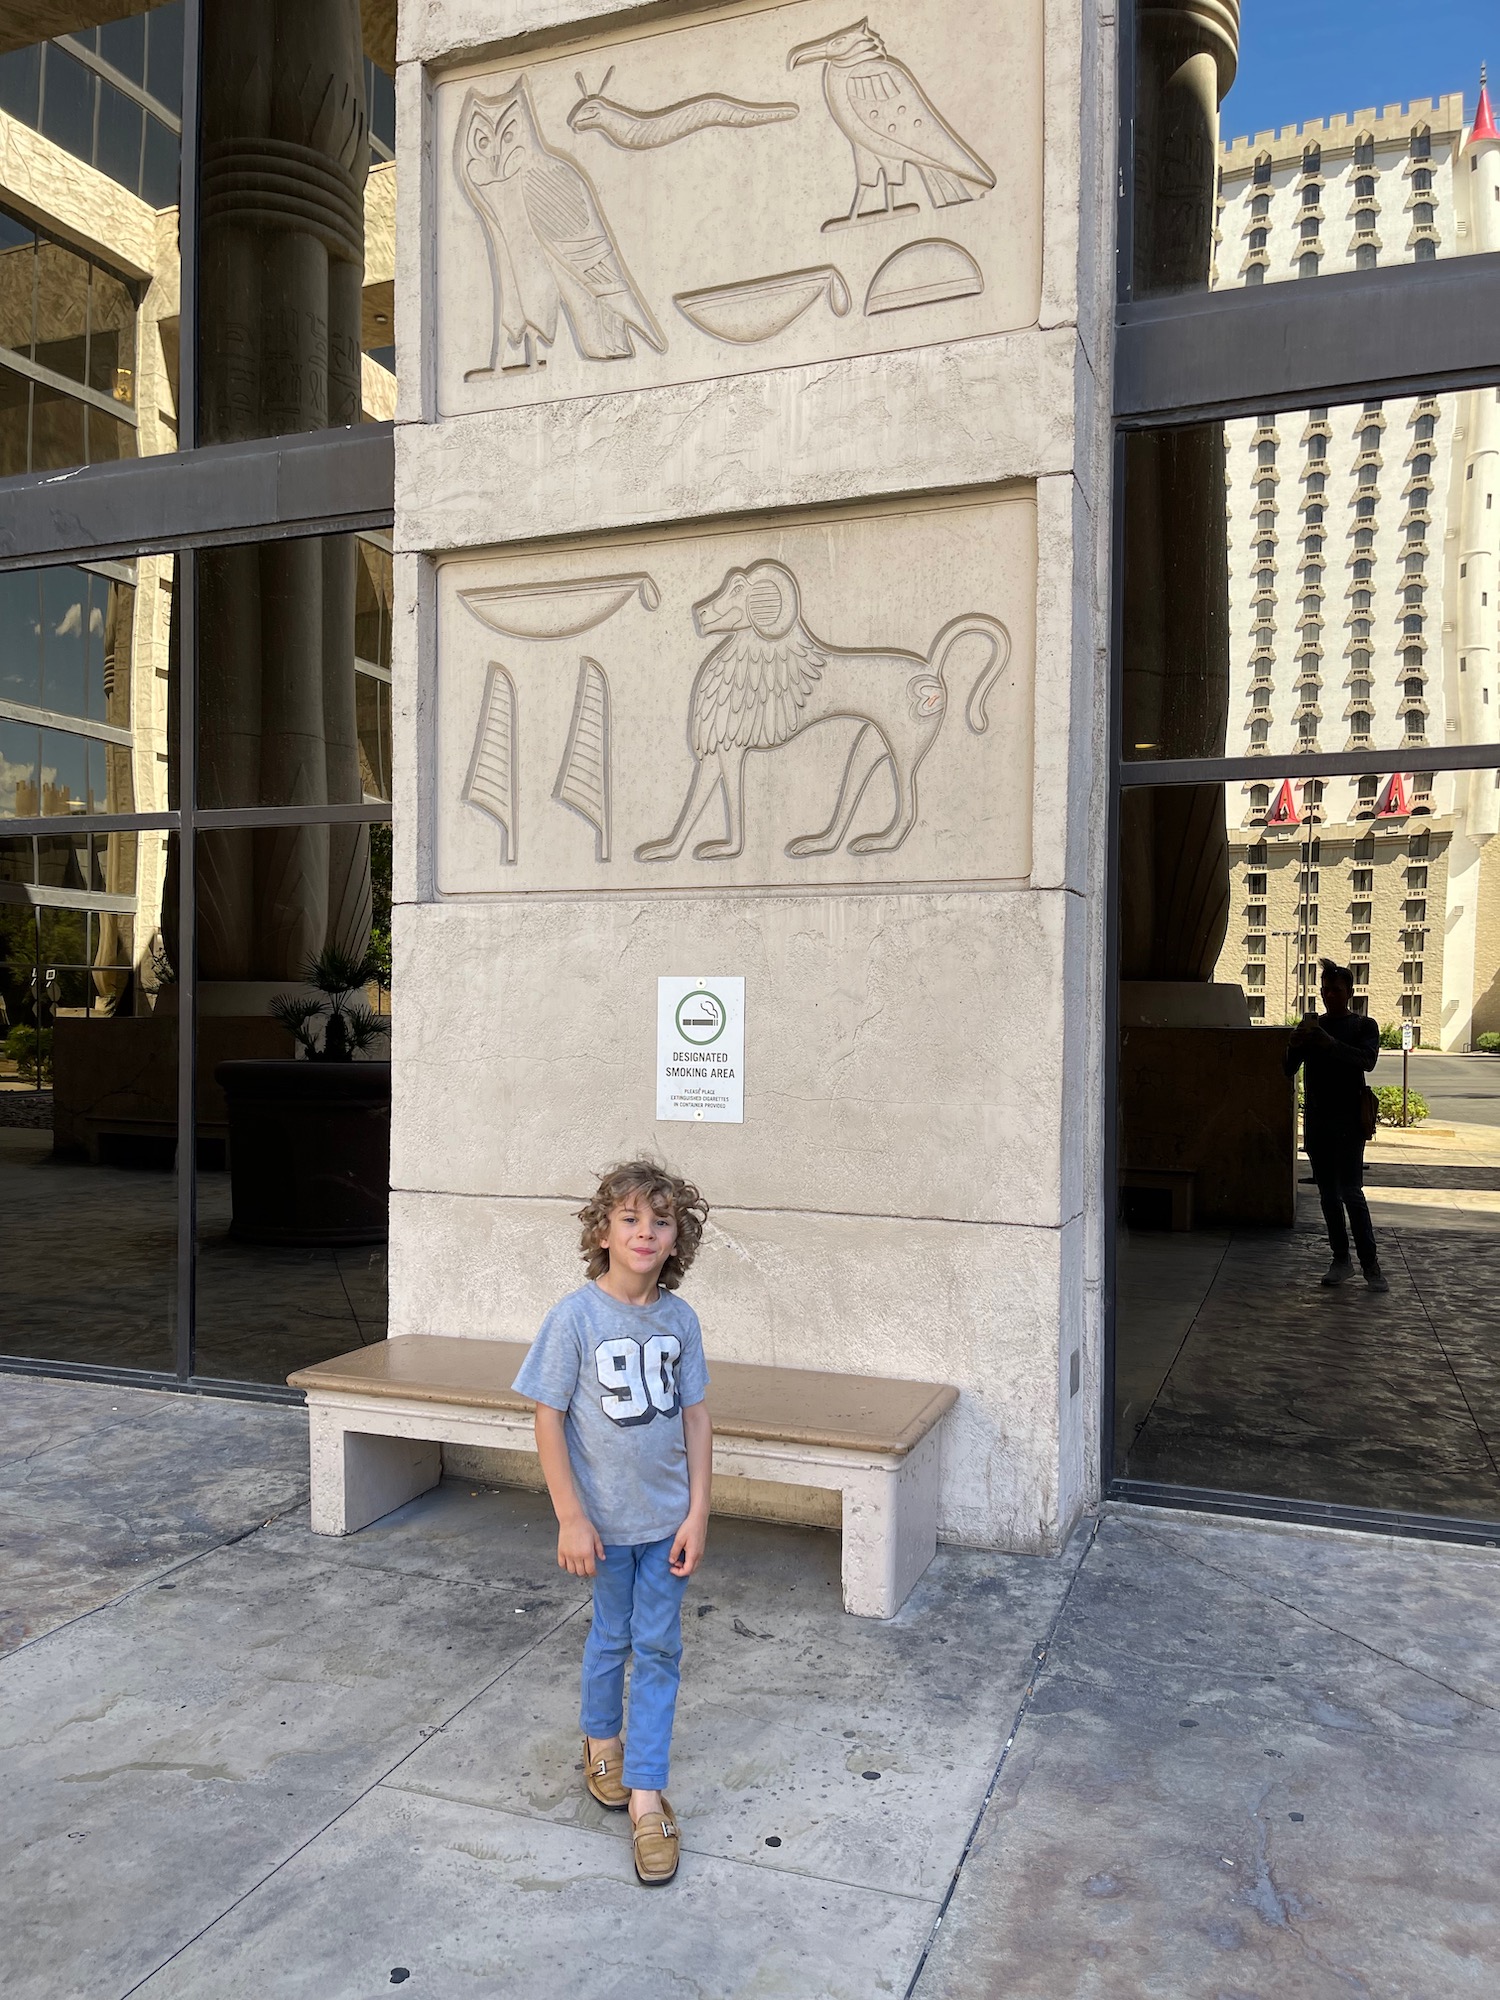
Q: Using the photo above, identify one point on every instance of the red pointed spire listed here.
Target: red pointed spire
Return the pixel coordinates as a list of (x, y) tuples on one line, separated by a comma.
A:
[(1394, 803), (1284, 812), (1484, 119)]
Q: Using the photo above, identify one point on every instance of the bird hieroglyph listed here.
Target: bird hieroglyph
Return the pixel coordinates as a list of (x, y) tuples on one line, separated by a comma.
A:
[(891, 124), (549, 243), (769, 678)]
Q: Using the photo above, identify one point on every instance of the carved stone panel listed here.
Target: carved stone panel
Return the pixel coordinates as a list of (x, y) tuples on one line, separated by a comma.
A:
[(784, 185), (826, 699)]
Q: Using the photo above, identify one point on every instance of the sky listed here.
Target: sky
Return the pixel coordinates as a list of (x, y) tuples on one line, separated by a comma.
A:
[(1304, 59)]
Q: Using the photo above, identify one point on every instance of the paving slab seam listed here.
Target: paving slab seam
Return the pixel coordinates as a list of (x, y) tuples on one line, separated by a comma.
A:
[(1334, 1631), (480, 1584), (153, 1581), (48, 1444), (617, 1841), (1463, 1394), (350, 1804), (1040, 1657)]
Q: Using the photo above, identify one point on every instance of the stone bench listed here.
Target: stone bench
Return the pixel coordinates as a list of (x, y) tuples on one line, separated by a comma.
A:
[(379, 1417)]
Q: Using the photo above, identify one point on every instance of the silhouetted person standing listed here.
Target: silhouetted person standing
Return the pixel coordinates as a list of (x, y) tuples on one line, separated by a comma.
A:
[(1335, 1051)]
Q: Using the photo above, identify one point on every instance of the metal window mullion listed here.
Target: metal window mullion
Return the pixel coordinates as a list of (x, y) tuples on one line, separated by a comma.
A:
[(1325, 764), (58, 826), (1110, 1202), (127, 87), (82, 392), (187, 961), (189, 318), (215, 818)]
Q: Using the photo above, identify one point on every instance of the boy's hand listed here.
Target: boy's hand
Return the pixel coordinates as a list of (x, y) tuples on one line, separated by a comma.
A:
[(688, 1545), (578, 1546)]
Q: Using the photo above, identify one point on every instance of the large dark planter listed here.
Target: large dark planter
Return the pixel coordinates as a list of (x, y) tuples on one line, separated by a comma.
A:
[(309, 1150)]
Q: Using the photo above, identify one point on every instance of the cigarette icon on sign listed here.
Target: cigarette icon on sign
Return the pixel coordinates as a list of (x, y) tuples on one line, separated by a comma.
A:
[(700, 1016)]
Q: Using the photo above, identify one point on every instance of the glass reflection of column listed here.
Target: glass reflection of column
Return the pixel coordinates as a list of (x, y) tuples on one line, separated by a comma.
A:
[(285, 154), (1174, 844)]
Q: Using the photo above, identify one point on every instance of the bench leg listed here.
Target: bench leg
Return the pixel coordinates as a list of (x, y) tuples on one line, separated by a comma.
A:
[(357, 1477), (890, 1531)]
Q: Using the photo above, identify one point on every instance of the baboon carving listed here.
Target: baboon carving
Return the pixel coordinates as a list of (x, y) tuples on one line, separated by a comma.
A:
[(770, 678)]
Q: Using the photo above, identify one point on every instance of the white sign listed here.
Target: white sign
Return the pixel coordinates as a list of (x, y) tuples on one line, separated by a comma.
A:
[(700, 1049), (1406, 1035)]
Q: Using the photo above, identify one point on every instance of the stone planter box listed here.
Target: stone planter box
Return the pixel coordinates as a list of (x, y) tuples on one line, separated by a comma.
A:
[(309, 1150)]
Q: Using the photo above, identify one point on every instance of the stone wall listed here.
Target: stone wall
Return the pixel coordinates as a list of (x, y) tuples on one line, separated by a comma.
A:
[(751, 497)]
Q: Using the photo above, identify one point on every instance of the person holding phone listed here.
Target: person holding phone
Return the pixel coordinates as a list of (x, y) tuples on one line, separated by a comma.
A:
[(1336, 1050)]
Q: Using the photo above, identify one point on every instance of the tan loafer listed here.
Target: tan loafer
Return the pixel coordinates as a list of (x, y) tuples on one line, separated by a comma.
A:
[(603, 1777), (657, 1846)]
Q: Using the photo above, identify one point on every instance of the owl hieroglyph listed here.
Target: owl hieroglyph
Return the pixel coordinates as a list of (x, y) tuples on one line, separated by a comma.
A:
[(548, 241)]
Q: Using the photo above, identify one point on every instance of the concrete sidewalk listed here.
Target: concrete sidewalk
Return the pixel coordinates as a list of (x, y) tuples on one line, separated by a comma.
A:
[(1190, 1759)]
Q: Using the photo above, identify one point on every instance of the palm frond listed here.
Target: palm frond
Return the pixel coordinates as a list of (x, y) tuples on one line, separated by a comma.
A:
[(336, 972), (296, 1012), (364, 1026)]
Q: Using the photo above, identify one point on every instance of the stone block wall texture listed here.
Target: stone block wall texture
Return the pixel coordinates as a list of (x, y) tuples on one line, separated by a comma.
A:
[(751, 541)]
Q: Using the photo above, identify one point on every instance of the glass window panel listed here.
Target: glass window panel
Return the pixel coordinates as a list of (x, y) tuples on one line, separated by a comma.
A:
[(109, 439), (17, 282), (382, 89), (15, 423), (65, 647), (21, 83), (65, 937), (1223, 1326), (120, 130), (62, 310), (123, 46), (1237, 108), (278, 694), (21, 637), (161, 162), (288, 316), (164, 55), (19, 749), (112, 314), (88, 1201), (95, 610), (17, 861), (68, 91), (56, 429), (89, 326), (98, 785), (65, 766), (293, 1166), (1237, 647)]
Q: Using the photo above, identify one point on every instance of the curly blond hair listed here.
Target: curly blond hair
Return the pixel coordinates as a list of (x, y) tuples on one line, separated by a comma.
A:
[(666, 1192)]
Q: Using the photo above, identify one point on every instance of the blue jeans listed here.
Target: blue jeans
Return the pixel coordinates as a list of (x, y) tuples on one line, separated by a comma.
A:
[(637, 1615)]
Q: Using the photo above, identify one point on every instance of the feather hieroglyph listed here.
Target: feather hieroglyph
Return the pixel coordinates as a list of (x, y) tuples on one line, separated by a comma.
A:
[(583, 776), (491, 783)]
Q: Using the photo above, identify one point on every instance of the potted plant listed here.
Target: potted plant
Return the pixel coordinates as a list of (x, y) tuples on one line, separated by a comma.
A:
[(310, 1137)]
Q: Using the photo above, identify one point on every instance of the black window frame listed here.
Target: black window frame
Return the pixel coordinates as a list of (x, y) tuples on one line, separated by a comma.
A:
[(1179, 359), (266, 489)]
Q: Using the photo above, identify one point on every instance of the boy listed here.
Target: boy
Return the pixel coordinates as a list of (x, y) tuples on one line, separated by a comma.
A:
[(618, 1378)]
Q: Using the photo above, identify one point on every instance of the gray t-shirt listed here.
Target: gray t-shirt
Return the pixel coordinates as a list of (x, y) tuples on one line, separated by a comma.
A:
[(624, 1374)]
